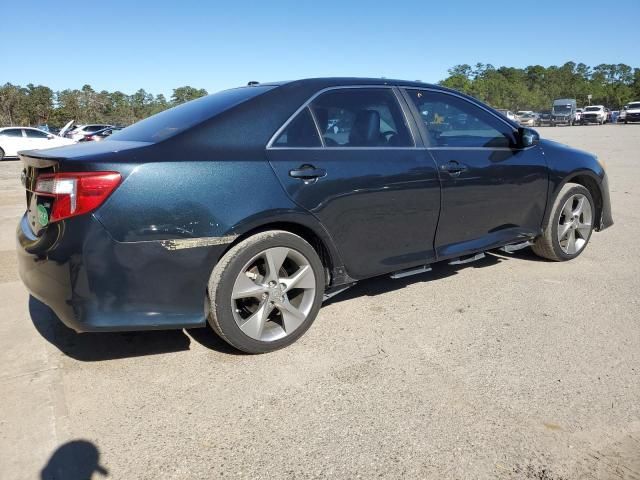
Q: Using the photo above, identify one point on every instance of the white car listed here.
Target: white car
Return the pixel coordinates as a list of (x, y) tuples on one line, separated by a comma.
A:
[(15, 139), (594, 114), (80, 131), (508, 113), (630, 113)]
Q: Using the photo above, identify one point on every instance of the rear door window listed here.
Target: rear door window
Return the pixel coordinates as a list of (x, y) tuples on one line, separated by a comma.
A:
[(12, 132), (361, 117)]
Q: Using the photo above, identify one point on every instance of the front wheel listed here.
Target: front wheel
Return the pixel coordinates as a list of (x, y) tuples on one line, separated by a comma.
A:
[(1, 154), (569, 226), (266, 291)]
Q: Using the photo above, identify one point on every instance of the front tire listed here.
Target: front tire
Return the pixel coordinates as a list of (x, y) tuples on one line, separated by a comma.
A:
[(266, 291), (1, 154), (569, 226)]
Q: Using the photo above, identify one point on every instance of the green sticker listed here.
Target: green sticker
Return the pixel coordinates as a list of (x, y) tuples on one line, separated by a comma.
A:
[(43, 216)]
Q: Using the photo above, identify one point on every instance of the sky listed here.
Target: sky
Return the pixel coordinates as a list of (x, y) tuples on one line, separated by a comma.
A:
[(160, 45)]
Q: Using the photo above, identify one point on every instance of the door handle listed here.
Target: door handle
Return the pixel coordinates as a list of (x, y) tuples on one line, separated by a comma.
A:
[(454, 168), (307, 172)]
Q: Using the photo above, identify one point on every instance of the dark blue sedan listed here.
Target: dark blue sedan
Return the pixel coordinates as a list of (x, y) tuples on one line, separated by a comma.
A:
[(248, 207)]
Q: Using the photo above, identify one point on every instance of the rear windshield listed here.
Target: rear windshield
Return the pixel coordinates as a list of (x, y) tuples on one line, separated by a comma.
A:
[(177, 119)]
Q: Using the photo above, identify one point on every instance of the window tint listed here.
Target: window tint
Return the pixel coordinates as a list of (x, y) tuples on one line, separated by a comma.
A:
[(358, 117), (177, 119), (454, 122), (301, 132), (35, 133), (12, 132)]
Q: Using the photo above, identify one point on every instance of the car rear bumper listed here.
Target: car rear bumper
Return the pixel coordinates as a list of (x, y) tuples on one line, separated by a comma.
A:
[(99, 284)]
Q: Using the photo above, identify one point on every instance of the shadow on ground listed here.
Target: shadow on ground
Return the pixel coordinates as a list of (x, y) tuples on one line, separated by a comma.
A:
[(383, 284), (90, 347), (75, 460)]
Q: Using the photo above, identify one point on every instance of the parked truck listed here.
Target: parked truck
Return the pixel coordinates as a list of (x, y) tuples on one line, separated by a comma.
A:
[(563, 112)]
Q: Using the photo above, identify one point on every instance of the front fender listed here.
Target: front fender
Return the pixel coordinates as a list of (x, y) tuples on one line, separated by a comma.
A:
[(566, 165)]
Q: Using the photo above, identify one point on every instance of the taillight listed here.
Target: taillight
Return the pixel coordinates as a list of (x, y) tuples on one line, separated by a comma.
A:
[(76, 193)]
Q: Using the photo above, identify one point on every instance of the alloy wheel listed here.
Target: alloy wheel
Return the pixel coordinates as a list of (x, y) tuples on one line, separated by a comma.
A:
[(273, 294), (575, 224)]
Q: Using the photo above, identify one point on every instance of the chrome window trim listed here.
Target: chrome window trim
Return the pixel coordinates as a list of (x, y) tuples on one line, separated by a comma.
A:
[(341, 87), (346, 148)]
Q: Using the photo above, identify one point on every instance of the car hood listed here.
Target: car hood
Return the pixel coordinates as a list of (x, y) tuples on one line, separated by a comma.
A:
[(83, 150)]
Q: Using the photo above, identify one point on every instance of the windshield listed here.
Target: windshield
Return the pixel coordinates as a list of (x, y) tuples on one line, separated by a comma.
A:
[(177, 119), (592, 109), (562, 108), (634, 106)]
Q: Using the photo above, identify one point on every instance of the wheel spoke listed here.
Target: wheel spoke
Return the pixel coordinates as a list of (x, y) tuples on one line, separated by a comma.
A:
[(563, 230), (571, 242), (246, 288), (584, 229), (254, 325), (303, 278), (578, 210), (567, 210), (275, 257), (291, 316)]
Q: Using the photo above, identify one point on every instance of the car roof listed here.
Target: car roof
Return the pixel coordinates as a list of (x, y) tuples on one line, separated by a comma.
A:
[(327, 82)]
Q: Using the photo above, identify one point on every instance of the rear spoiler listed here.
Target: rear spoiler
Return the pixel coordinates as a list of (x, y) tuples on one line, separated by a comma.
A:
[(30, 159)]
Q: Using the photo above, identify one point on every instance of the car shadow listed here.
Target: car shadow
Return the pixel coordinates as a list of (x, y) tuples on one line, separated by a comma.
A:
[(383, 284), (206, 337), (91, 347)]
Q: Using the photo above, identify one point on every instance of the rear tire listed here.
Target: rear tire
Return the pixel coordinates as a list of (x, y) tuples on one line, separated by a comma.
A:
[(570, 225), (1, 155), (266, 291)]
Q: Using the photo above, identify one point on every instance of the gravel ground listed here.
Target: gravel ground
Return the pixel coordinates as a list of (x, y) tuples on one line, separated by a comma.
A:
[(510, 367)]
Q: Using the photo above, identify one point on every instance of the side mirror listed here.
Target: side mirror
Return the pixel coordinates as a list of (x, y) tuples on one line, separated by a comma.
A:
[(50, 136), (528, 137)]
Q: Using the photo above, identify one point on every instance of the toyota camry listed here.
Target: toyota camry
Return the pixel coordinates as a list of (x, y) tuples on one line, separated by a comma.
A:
[(247, 208)]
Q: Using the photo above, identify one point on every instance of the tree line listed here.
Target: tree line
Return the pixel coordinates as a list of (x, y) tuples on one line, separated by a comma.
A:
[(39, 105), (535, 87), (530, 88)]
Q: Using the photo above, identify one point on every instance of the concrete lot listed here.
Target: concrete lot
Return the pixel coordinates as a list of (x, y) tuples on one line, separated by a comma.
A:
[(511, 367)]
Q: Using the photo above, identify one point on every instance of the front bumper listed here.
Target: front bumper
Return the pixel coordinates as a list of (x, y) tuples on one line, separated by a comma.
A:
[(562, 120), (591, 120), (94, 283)]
